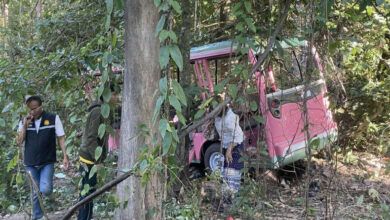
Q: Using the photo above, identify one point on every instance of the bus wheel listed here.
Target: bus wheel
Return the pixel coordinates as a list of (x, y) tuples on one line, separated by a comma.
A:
[(213, 158)]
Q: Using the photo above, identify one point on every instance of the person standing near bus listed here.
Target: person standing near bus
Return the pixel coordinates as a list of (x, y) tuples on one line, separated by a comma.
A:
[(90, 142), (232, 137)]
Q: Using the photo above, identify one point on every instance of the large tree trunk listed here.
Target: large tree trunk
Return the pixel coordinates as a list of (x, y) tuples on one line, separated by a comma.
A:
[(4, 8), (140, 81)]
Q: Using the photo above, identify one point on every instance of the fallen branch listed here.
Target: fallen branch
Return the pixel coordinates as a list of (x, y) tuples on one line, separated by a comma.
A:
[(259, 62), (38, 193), (98, 192)]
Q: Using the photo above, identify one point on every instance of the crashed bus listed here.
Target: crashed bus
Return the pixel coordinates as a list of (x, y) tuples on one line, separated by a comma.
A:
[(280, 138)]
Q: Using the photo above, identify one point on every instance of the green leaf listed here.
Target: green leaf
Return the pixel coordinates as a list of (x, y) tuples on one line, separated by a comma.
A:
[(206, 103), (2, 122), (380, 2), (98, 153), (199, 113), (248, 6), (157, 3), (85, 189), (293, 42), (233, 90), (143, 165), (360, 200), (108, 23), (114, 37), (174, 135), (370, 11), (109, 6), (105, 59), (279, 48), (162, 127), (167, 142), (385, 211), (179, 92), (219, 87), (259, 119), (175, 6), (237, 7), (363, 5), (253, 105), (7, 107), (100, 90), (252, 27), (163, 35), (175, 103), (176, 56), (107, 94), (173, 36), (373, 193), (110, 130), (92, 172), (160, 25), (240, 27), (159, 102), (19, 179), (268, 204), (101, 130), (163, 56), (119, 4), (163, 85), (181, 118), (13, 162), (105, 110), (251, 90)]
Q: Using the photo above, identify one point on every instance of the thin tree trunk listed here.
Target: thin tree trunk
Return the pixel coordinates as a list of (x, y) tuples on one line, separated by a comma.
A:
[(39, 9), (140, 81), (185, 77), (5, 13)]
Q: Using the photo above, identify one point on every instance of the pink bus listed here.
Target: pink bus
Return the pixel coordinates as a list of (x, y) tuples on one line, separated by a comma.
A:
[(279, 138)]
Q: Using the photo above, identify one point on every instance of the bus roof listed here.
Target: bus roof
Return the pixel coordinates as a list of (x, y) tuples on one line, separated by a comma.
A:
[(224, 48)]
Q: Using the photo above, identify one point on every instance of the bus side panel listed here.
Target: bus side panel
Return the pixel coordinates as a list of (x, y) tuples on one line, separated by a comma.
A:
[(289, 129)]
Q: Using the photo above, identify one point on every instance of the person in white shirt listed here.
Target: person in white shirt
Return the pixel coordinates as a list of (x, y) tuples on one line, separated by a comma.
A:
[(38, 131), (232, 137)]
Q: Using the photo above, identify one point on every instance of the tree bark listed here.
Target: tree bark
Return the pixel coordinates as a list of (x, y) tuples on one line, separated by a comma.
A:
[(5, 13), (185, 78), (39, 9), (141, 79)]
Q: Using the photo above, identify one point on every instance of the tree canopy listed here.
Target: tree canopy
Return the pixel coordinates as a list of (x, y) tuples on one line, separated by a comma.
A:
[(67, 52)]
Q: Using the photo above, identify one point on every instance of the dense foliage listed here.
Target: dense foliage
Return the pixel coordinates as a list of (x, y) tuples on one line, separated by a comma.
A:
[(56, 53)]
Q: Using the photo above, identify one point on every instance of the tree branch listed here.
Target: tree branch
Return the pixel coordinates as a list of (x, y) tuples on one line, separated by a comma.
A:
[(98, 192), (259, 62), (37, 192)]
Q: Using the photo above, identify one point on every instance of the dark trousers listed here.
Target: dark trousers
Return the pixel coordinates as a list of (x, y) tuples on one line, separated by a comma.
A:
[(86, 211)]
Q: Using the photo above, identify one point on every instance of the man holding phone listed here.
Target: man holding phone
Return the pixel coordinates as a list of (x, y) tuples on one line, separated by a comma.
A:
[(38, 130)]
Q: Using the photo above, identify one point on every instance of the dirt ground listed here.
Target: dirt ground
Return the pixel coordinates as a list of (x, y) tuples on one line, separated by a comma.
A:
[(337, 190)]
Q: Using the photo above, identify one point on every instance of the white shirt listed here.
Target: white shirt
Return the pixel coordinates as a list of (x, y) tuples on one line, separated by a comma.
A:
[(229, 129), (58, 126)]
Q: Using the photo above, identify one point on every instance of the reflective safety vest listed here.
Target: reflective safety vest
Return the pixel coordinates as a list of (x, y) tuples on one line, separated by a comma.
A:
[(40, 148)]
